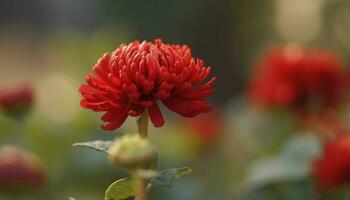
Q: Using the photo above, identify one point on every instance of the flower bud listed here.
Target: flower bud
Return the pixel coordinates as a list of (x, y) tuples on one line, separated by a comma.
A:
[(132, 152), (20, 170), (16, 101)]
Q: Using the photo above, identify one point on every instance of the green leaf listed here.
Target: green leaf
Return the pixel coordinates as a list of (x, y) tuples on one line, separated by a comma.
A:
[(97, 145), (292, 163), (120, 190), (123, 189), (183, 171), (291, 190), (168, 176)]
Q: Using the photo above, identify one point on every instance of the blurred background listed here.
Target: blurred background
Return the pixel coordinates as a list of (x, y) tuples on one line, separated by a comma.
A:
[(243, 152)]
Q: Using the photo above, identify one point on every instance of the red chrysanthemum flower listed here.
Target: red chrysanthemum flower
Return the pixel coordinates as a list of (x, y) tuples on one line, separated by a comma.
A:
[(332, 170), (20, 170), (16, 99), (303, 79), (136, 76)]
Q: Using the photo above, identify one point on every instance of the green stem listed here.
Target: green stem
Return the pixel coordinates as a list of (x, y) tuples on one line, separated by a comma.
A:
[(143, 124), (140, 183), (140, 187), (22, 134)]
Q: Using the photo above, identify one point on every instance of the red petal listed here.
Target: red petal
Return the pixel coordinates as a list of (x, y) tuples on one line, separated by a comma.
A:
[(113, 125), (156, 116), (115, 117), (187, 107), (96, 106), (202, 91), (136, 110), (87, 89)]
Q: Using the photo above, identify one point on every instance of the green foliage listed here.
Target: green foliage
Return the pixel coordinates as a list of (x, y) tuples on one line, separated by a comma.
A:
[(97, 145), (123, 189), (168, 176), (292, 163), (182, 171), (120, 190), (290, 190), (285, 176), (341, 193)]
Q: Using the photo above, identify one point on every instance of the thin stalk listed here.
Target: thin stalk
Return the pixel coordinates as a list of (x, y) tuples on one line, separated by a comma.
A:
[(140, 183), (140, 187), (143, 124)]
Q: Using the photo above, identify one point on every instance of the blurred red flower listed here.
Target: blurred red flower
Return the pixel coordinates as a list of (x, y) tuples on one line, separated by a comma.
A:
[(135, 76), (332, 170), (207, 127), (308, 80), (16, 99), (20, 170)]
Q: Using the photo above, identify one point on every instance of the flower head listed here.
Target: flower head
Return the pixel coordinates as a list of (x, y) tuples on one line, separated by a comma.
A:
[(16, 100), (20, 170), (303, 79), (332, 170), (135, 77)]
